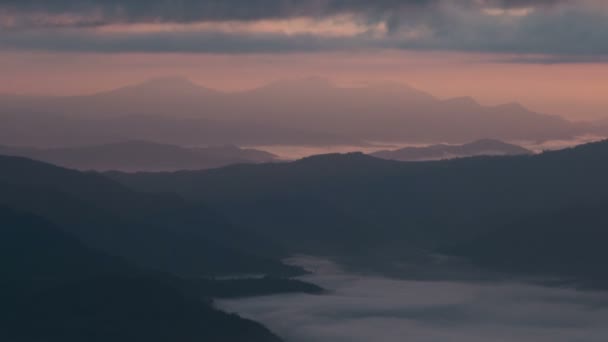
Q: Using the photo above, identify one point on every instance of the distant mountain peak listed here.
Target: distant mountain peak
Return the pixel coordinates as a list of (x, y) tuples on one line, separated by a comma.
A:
[(513, 106), (350, 157), (304, 83), (326, 87), (171, 85), (488, 141), (386, 85), (170, 80), (462, 100)]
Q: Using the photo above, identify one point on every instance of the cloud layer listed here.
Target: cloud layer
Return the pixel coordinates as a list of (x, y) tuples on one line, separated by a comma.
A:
[(219, 10), (538, 30)]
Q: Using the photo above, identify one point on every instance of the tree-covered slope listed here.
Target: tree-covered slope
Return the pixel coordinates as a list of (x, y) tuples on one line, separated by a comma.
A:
[(56, 289)]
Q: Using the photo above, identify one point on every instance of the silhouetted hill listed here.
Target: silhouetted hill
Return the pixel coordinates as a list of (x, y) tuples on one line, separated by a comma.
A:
[(35, 254), (163, 87), (179, 112), (484, 147), (171, 96), (153, 231), (142, 156), (564, 242), (123, 310), (353, 204), (56, 289), (245, 287)]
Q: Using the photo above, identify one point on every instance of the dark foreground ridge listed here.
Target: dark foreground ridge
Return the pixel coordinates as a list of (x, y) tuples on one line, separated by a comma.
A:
[(87, 259), (56, 289)]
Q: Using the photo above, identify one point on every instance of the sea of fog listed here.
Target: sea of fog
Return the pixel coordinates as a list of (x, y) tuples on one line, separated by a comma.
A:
[(364, 308)]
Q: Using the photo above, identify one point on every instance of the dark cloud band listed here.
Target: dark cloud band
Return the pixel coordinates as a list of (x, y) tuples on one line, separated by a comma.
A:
[(210, 10), (555, 30), (183, 10)]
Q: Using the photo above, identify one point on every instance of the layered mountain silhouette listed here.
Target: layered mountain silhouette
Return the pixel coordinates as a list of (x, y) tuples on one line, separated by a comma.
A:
[(523, 214), (160, 232), (133, 156), (134, 256), (483, 147), (128, 256), (54, 288), (86, 258), (36, 254), (177, 111), (568, 241)]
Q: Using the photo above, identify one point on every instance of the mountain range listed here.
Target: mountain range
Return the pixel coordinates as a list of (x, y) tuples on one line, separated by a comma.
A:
[(177, 111), (86, 258), (180, 237), (499, 212), (123, 256), (134, 156), (483, 147)]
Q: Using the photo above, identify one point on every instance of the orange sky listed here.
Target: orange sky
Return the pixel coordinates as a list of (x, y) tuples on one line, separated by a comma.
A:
[(577, 91)]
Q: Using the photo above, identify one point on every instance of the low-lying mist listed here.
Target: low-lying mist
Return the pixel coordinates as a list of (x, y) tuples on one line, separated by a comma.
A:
[(372, 308)]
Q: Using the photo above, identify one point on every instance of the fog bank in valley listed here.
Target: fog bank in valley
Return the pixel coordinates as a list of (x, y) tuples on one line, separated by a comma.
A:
[(369, 308)]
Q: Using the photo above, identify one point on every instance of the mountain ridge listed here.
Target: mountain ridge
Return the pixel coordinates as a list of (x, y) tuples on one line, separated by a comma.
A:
[(111, 217), (482, 147), (348, 204), (279, 110), (139, 155), (54, 288)]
